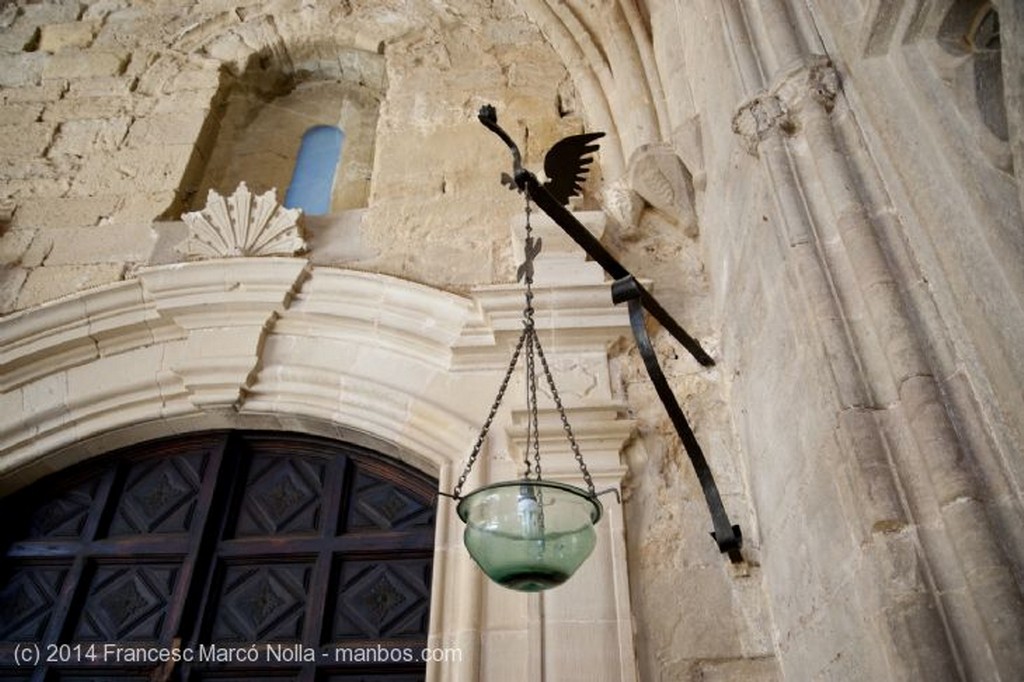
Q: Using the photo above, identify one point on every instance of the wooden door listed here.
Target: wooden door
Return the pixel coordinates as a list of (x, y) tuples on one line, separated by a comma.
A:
[(232, 555)]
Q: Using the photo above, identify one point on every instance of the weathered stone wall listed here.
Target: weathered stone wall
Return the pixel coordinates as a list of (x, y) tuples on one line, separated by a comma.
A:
[(116, 116), (949, 218), (868, 336), (697, 616)]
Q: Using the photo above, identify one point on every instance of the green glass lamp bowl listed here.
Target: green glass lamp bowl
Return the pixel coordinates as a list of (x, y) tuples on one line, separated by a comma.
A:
[(529, 535)]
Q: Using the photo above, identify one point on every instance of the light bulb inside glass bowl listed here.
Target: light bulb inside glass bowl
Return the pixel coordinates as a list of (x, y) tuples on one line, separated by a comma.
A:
[(529, 535), (531, 520)]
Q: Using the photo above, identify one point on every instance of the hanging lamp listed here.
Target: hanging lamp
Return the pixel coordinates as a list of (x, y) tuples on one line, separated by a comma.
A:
[(529, 534)]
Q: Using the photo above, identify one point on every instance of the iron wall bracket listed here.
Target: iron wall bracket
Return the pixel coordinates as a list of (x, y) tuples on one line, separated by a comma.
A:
[(627, 289)]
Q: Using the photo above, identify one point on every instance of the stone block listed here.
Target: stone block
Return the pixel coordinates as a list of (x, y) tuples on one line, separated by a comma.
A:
[(21, 69), (740, 670), (562, 660), (72, 64), (11, 281), (103, 86), (337, 238), (115, 243), (186, 100), (22, 112), (14, 244), (18, 37), (165, 69), (106, 8), (50, 91), (50, 282), (59, 213), (81, 137), (502, 651), (144, 207), (936, 438), (206, 77), (77, 108), (146, 169), (39, 250), (32, 177), (169, 235), (88, 383), (78, 34), (139, 24), (175, 128), (26, 139), (43, 13), (46, 399)]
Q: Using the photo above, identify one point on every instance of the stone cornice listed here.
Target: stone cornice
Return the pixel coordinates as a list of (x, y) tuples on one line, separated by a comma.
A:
[(245, 336)]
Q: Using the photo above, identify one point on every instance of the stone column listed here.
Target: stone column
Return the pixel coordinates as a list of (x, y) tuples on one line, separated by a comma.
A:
[(944, 602)]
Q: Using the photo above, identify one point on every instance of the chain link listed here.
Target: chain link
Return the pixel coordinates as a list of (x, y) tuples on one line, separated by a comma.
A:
[(531, 341), (490, 417), (565, 420), (532, 430)]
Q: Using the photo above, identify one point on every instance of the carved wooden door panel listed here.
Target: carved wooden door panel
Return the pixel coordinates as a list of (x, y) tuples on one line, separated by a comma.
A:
[(232, 555)]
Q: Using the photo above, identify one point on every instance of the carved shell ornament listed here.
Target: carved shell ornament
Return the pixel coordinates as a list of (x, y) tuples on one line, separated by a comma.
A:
[(242, 224)]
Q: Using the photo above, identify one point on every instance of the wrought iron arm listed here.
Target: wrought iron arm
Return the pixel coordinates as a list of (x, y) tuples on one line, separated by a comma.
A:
[(728, 536), (628, 289), (581, 235), (528, 182)]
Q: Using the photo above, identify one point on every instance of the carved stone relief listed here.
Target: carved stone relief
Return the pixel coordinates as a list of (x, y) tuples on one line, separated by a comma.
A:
[(760, 117), (661, 178), (243, 224), (623, 205), (656, 181), (777, 109)]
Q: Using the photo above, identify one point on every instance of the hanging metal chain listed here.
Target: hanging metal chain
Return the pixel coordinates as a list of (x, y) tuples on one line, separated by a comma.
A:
[(565, 420), (530, 341), (533, 428), (490, 417), (531, 250)]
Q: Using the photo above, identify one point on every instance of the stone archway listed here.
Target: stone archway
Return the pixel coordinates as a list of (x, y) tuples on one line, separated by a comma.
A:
[(406, 370)]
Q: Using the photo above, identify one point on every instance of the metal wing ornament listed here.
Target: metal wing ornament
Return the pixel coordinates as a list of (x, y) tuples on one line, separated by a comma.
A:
[(567, 163)]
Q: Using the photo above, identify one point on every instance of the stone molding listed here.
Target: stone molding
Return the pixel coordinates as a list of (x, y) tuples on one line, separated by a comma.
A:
[(243, 224), (777, 109), (278, 344)]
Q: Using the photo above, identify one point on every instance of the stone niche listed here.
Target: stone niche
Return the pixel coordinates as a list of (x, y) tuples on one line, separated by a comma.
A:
[(268, 107)]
